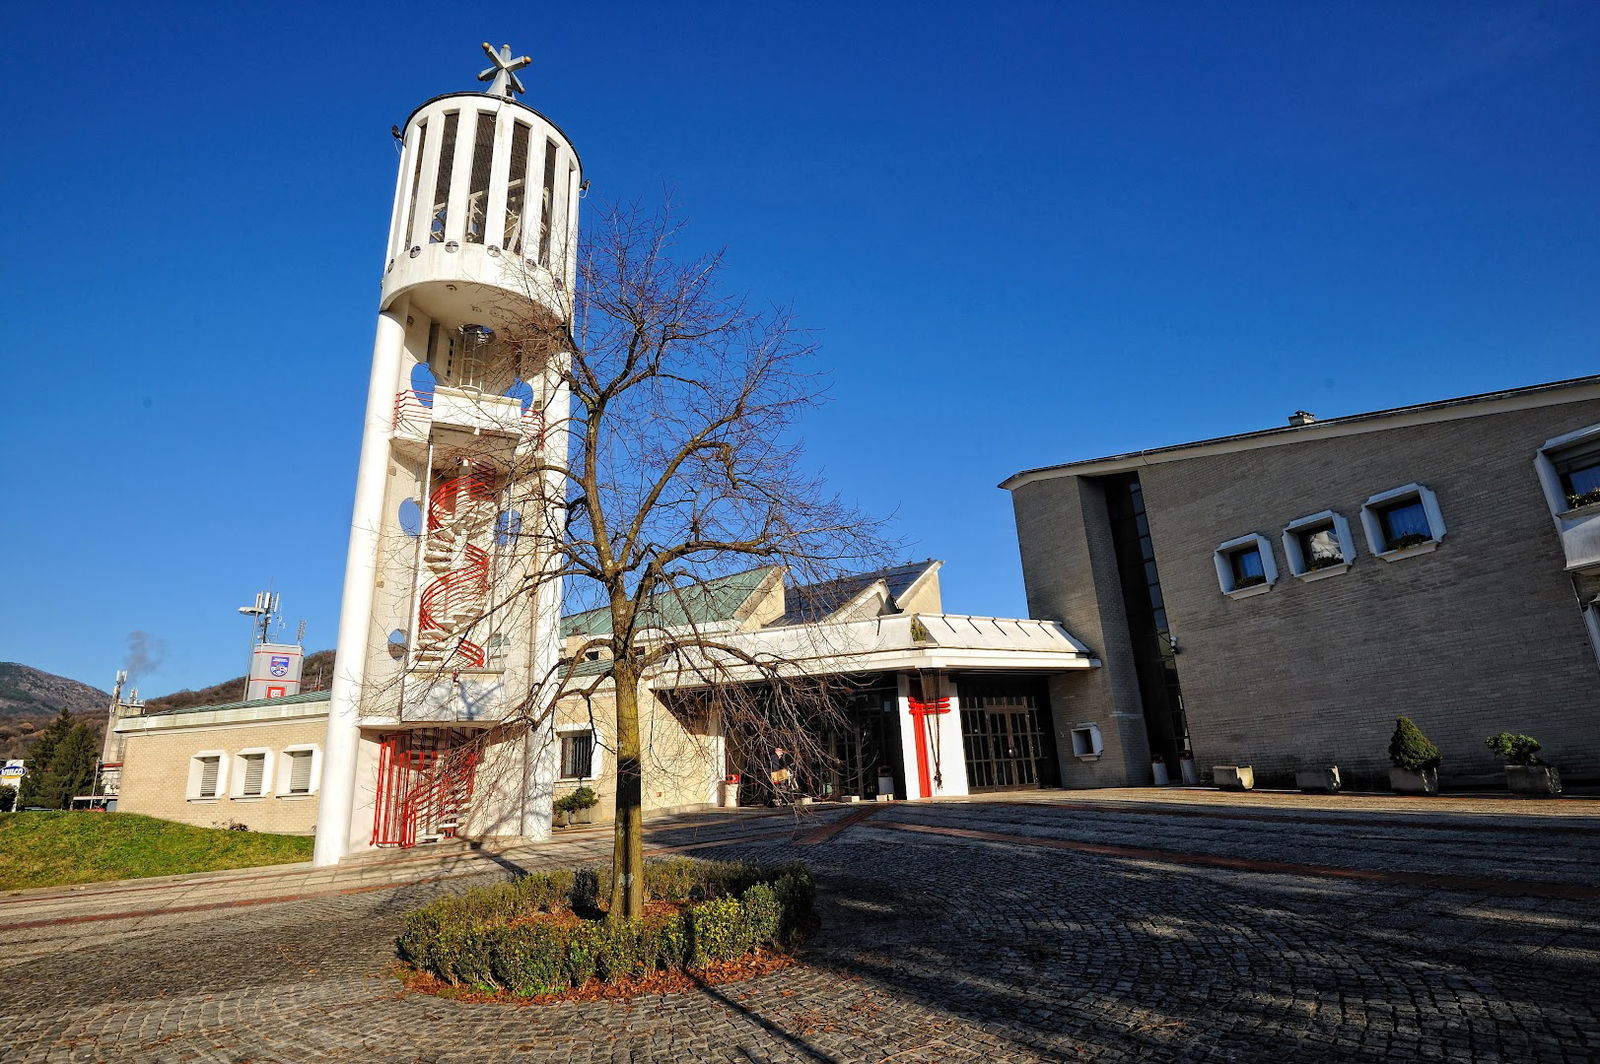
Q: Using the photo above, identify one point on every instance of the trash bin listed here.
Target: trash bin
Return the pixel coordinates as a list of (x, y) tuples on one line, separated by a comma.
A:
[(730, 791)]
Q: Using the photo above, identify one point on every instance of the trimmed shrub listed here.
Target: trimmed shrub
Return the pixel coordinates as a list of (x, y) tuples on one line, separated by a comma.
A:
[(761, 913), (796, 893), (667, 944), (471, 940), (529, 959), (1515, 749), (1409, 749), (716, 931)]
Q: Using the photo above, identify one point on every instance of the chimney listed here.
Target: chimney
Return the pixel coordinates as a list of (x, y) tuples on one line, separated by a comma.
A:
[(1301, 417)]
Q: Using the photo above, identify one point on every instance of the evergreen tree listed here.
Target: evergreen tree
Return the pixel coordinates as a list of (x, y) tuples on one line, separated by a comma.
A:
[(72, 769), (40, 754), (1409, 749), (8, 798)]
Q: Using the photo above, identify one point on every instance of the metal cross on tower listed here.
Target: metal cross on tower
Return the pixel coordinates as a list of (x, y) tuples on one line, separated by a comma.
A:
[(504, 72)]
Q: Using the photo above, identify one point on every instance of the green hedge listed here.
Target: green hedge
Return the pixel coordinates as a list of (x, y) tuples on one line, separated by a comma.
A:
[(470, 941)]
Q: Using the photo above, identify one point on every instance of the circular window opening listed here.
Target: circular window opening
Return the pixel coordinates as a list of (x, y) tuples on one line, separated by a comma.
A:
[(397, 644), (423, 383), (411, 517)]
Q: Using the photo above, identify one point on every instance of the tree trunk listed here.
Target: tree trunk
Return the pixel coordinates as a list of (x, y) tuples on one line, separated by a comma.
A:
[(627, 854)]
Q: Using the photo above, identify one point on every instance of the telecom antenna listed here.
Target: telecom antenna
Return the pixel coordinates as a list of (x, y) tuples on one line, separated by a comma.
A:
[(261, 617)]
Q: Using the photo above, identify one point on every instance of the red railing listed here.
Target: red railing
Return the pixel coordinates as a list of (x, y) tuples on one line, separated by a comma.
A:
[(405, 400), (920, 712), (476, 484), (464, 586), (426, 780)]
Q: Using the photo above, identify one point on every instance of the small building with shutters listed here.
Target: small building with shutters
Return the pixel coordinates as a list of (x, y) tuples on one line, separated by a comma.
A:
[(256, 763)]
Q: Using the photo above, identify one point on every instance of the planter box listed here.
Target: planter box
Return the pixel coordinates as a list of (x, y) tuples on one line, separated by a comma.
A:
[(1404, 781), (1234, 777), (1542, 780), (560, 818), (1318, 780), (583, 816)]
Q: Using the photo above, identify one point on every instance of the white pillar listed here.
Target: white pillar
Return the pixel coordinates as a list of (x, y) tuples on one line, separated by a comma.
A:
[(340, 748), (908, 737), (946, 737)]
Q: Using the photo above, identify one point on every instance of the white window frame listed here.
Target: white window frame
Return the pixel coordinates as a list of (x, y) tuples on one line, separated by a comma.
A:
[(192, 787), (594, 751), (1087, 743), (286, 766), (1374, 528), (1296, 557), (236, 790), (1550, 480), (1269, 566)]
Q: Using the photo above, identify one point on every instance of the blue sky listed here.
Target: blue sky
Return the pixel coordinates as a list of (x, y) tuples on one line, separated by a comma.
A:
[(1024, 233)]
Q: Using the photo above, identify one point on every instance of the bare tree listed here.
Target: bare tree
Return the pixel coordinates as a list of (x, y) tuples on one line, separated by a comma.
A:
[(683, 464)]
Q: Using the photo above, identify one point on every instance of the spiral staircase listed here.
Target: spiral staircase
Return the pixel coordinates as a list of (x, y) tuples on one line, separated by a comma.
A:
[(461, 510)]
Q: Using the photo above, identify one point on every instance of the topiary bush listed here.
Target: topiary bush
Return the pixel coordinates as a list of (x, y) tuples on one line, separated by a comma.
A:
[(1410, 750), (529, 959), (489, 938), (1515, 749)]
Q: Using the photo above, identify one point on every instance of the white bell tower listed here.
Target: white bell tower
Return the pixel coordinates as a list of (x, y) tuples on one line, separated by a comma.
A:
[(440, 640)]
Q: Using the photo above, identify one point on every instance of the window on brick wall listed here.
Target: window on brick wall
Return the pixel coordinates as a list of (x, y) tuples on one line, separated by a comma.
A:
[(1245, 566), (209, 766), (1402, 522), (208, 771), (299, 765), (251, 768), (1318, 545), (577, 754), (1569, 470)]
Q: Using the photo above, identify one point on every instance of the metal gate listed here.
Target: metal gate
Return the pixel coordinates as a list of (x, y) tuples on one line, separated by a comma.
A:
[(1005, 736), (425, 783)]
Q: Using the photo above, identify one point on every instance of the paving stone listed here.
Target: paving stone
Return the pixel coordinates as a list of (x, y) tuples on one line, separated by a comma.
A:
[(933, 948)]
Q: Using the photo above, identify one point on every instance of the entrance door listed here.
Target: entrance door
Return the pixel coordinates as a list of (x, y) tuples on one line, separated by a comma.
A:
[(1005, 735)]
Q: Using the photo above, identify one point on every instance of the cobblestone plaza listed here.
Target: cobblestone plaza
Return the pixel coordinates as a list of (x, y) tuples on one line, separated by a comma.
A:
[(1196, 927)]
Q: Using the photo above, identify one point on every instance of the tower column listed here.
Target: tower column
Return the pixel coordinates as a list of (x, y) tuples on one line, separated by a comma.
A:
[(343, 741)]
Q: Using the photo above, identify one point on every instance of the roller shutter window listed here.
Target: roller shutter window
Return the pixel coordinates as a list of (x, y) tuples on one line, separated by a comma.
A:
[(255, 766), (208, 776), (300, 772)]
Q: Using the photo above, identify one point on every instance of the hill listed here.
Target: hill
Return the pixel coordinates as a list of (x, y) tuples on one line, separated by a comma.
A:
[(30, 697), (315, 674)]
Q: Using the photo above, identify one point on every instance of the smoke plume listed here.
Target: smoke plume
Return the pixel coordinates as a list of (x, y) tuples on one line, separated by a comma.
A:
[(144, 655)]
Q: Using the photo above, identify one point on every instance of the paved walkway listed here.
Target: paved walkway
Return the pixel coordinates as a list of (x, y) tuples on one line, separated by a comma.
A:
[(1050, 926)]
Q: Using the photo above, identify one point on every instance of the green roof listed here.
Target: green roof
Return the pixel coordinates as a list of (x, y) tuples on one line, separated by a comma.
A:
[(251, 703), (711, 602)]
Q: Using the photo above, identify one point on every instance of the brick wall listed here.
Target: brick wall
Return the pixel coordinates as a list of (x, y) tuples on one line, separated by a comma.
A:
[(1481, 635), (155, 776), (1071, 575), (680, 765)]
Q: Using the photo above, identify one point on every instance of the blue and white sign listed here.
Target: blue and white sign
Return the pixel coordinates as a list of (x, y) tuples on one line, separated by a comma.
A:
[(275, 670)]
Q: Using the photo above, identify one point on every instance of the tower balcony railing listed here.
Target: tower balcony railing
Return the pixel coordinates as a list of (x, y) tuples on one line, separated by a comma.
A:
[(464, 695), (417, 413)]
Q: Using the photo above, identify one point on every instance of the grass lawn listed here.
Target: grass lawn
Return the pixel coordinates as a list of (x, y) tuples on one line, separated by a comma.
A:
[(51, 849)]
